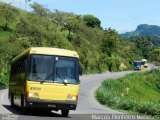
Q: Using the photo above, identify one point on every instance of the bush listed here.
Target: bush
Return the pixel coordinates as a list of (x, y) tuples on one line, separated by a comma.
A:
[(3, 81)]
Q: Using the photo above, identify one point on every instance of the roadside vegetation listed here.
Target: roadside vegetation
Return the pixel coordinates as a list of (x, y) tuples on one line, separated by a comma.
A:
[(135, 93), (154, 56)]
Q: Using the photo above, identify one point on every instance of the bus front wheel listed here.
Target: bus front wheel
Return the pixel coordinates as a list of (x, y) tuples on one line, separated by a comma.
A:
[(65, 113)]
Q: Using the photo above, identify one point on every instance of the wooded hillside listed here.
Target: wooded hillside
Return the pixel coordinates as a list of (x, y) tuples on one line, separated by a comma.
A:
[(99, 49)]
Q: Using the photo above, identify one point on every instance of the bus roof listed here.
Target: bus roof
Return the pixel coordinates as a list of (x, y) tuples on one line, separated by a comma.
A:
[(47, 51), (144, 60)]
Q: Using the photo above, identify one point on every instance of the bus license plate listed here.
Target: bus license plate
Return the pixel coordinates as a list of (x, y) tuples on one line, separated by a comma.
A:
[(52, 106)]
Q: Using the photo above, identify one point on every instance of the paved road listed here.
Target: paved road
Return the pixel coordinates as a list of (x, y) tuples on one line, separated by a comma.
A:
[(87, 104)]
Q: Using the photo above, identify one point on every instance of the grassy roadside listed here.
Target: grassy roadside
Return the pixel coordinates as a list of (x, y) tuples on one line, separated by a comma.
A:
[(137, 93)]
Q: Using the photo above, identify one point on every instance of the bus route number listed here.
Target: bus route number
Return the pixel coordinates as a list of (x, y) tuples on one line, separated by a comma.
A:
[(35, 88)]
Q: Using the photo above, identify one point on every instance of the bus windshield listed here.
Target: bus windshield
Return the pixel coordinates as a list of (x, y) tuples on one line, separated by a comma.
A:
[(137, 63), (57, 69)]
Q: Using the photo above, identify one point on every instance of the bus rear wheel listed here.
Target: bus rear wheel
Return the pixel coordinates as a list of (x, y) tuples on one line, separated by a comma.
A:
[(65, 113), (12, 101), (24, 109)]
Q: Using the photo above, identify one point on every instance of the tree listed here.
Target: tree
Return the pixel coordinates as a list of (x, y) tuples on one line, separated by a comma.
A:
[(110, 42), (144, 43), (8, 14), (92, 21), (154, 55), (39, 9), (72, 25)]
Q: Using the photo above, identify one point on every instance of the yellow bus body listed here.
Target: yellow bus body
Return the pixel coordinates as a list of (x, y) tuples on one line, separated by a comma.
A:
[(51, 91), (30, 94), (145, 63)]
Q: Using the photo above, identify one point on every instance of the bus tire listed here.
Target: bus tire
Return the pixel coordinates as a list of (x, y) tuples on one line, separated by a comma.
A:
[(22, 101), (12, 101), (23, 108), (65, 113), (142, 68)]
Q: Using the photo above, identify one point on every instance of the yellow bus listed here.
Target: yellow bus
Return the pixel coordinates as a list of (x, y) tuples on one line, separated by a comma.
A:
[(144, 62), (43, 77)]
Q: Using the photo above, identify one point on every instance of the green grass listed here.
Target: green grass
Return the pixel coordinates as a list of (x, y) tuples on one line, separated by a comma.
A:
[(137, 93)]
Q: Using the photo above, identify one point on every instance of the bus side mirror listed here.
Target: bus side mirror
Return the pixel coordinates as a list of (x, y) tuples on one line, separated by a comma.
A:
[(80, 70)]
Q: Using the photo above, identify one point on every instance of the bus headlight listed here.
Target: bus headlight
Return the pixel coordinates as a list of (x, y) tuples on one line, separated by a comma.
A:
[(35, 95), (30, 95), (71, 97)]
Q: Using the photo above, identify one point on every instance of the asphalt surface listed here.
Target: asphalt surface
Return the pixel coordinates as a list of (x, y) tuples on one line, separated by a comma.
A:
[(87, 105)]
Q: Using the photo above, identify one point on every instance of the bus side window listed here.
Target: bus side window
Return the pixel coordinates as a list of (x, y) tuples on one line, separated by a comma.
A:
[(15, 67), (11, 73), (80, 70), (18, 65), (12, 68), (27, 65), (22, 65)]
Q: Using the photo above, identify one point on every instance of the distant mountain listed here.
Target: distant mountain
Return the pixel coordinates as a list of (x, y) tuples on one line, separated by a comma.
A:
[(144, 30)]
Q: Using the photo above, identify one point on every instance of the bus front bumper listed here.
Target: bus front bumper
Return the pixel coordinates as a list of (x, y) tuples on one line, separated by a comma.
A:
[(51, 104)]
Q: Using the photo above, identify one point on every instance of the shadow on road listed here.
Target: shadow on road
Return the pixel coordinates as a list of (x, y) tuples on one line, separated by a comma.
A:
[(39, 114), (33, 112)]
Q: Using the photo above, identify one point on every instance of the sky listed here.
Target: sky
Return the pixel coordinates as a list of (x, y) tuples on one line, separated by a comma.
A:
[(122, 15)]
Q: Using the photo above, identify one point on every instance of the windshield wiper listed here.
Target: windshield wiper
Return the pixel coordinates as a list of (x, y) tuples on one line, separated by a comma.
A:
[(49, 75), (41, 81)]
